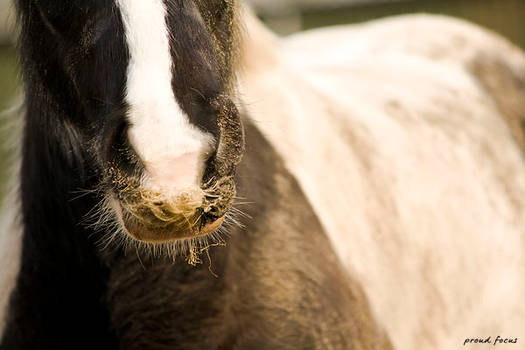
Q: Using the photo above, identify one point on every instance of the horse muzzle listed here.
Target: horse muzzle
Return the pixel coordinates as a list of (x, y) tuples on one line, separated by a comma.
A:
[(152, 213)]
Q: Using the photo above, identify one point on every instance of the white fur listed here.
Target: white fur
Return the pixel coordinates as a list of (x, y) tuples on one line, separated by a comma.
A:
[(171, 148), (410, 166)]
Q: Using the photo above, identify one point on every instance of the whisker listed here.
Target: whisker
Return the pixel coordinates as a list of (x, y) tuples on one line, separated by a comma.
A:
[(243, 203), (240, 212), (82, 193), (198, 92)]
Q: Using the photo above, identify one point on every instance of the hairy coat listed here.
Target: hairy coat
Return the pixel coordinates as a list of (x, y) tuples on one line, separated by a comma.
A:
[(382, 183)]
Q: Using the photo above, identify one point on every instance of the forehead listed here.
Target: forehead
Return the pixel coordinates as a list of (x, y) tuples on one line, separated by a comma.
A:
[(85, 21), (74, 10)]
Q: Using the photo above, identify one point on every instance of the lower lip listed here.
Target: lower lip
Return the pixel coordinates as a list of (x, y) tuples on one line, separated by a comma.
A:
[(212, 226)]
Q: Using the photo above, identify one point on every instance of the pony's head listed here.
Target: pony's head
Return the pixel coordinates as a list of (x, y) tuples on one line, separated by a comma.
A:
[(149, 84)]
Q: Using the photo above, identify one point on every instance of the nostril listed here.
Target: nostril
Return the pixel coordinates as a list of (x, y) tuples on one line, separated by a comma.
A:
[(114, 136), (120, 142), (118, 151)]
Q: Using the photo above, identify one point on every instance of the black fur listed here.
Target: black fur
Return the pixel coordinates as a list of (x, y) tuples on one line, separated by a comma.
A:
[(58, 298)]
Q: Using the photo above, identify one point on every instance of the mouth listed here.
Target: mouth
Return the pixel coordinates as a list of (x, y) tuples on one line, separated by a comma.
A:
[(152, 217), (212, 226)]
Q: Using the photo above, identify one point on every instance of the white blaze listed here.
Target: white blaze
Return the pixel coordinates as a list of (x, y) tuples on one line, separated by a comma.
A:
[(171, 148)]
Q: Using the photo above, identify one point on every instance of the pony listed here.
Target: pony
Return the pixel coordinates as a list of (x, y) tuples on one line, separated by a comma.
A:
[(189, 181)]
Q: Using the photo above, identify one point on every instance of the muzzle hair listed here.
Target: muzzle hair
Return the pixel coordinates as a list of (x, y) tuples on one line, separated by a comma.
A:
[(106, 219), (158, 210)]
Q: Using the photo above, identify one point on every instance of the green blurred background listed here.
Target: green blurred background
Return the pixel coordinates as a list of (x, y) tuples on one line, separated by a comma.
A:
[(287, 16), (504, 16)]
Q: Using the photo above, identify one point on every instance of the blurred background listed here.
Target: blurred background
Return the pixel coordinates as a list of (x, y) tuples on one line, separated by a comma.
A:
[(288, 16)]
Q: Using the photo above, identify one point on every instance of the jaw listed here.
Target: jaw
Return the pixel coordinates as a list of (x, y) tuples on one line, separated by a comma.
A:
[(172, 232), (176, 231)]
